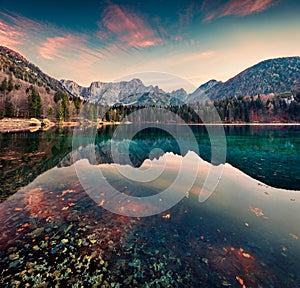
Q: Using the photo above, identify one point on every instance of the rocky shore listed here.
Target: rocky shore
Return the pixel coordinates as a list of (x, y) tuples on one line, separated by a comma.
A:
[(14, 125), (8, 125)]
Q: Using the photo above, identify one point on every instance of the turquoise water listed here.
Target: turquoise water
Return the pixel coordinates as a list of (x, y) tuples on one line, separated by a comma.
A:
[(270, 154), (53, 233)]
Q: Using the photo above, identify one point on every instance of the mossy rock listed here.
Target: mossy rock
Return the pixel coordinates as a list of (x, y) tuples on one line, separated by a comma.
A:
[(45, 122), (35, 122)]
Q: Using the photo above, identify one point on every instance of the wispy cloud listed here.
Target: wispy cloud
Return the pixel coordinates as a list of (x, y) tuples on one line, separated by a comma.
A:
[(126, 29), (50, 42), (234, 7), (61, 51), (9, 35), (55, 47), (22, 22), (18, 31)]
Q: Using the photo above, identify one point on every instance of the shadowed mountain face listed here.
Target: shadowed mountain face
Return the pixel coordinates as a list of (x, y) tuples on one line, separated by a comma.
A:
[(270, 76)]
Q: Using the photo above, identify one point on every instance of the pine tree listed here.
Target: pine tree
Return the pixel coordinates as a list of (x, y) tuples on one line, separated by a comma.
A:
[(34, 103), (10, 85), (9, 109), (3, 86), (60, 112)]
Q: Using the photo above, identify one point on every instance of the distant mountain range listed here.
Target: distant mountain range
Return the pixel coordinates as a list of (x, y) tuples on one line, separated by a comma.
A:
[(132, 92), (270, 76)]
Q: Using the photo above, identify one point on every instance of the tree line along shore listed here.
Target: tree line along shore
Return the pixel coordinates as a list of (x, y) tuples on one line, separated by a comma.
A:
[(59, 108)]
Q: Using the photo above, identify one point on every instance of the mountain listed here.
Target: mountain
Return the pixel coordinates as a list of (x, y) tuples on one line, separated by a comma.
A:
[(19, 79), (270, 76), (86, 93), (201, 91), (15, 64), (132, 92)]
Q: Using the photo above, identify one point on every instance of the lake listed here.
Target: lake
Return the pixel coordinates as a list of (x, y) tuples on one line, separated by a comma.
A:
[(58, 225)]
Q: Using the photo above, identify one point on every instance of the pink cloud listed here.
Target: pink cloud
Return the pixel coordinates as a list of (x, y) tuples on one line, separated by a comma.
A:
[(68, 46), (236, 8), (17, 30), (9, 35), (54, 47), (23, 23), (127, 29)]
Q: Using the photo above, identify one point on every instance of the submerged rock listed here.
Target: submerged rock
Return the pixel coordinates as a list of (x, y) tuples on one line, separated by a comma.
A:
[(14, 256)]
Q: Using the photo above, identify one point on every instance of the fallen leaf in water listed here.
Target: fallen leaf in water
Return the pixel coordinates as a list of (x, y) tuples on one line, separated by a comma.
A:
[(294, 236), (247, 255), (257, 211), (67, 191), (240, 280), (101, 203)]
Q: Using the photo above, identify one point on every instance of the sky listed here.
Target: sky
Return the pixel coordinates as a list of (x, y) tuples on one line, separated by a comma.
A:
[(168, 43)]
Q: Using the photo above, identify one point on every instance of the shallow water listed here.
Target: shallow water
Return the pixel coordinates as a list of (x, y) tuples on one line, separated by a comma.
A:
[(54, 233)]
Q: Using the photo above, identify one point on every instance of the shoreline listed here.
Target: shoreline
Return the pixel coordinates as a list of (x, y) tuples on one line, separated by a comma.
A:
[(14, 125)]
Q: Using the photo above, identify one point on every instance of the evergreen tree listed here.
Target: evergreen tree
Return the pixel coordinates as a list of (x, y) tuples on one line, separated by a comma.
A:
[(3, 86), (34, 103), (9, 109), (77, 104), (10, 85), (258, 103), (50, 111), (65, 105), (60, 112), (1, 113)]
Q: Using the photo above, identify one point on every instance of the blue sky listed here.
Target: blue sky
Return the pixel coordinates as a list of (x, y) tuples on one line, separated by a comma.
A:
[(108, 40)]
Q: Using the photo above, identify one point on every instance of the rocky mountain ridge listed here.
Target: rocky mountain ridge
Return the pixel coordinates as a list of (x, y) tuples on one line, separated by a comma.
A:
[(270, 76), (132, 92)]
